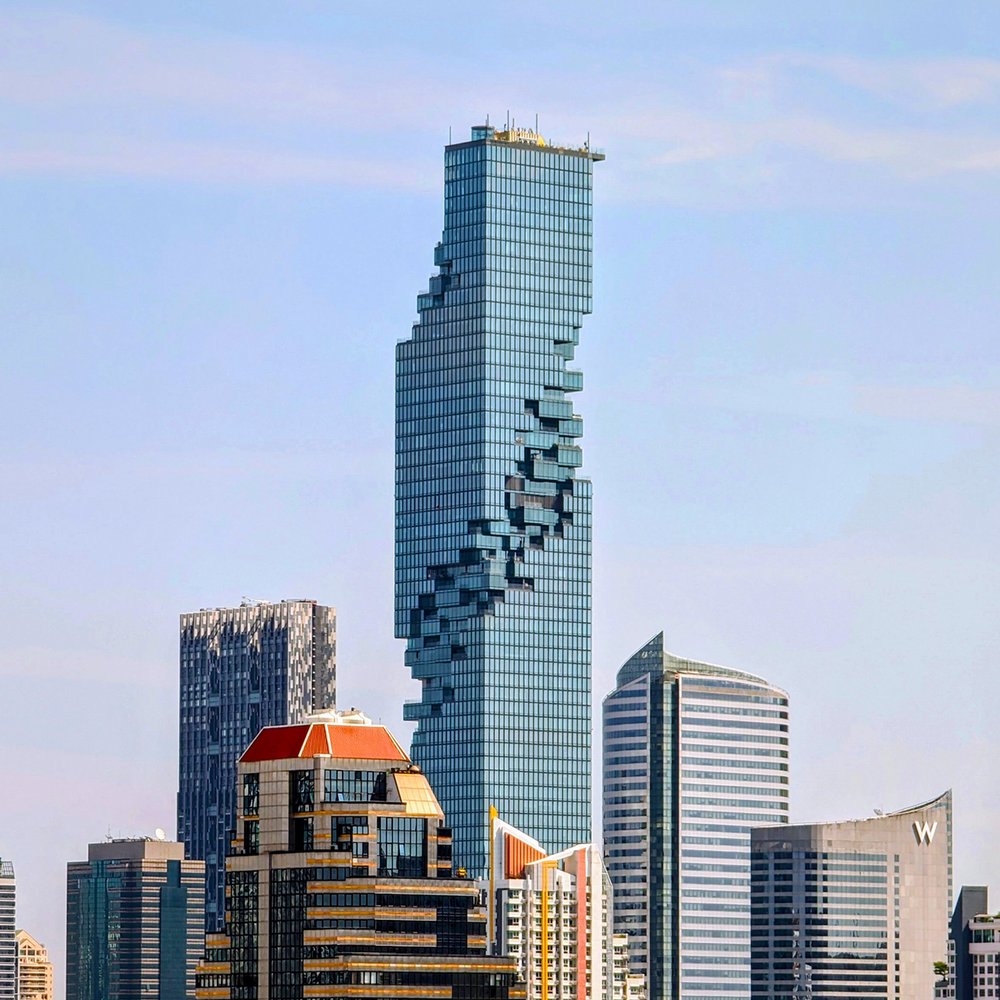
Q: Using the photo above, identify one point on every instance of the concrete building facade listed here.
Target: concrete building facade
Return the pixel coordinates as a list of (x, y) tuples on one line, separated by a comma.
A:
[(134, 921), (341, 882), (553, 915), (261, 664), (973, 949), (859, 908)]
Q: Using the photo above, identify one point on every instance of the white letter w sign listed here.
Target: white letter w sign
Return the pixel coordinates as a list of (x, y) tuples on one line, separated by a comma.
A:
[(924, 832)]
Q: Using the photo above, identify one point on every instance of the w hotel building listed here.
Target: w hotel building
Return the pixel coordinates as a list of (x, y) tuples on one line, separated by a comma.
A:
[(853, 909), (341, 881), (694, 756), (492, 517)]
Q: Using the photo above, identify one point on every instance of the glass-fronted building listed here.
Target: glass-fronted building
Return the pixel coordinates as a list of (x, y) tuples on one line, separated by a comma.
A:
[(492, 517), (135, 914), (241, 669), (694, 756), (853, 909), (341, 881)]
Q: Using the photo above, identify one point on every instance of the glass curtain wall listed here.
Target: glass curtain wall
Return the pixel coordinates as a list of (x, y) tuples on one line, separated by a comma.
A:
[(492, 519)]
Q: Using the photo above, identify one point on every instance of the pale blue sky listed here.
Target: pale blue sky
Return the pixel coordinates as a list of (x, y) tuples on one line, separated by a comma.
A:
[(216, 218)]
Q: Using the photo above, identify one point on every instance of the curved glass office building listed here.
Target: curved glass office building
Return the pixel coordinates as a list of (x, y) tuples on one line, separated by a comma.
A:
[(492, 518), (694, 756)]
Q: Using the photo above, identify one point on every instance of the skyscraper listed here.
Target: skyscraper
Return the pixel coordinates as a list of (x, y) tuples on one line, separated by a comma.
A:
[(34, 970), (853, 909), (492, 519), (694, 756), (241, 669), (341, 881), (8, 945), (134, 921)]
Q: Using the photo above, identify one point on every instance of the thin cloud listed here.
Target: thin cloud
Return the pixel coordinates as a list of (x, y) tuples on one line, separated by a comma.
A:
[(89, 97), (72, 62), (944, 403), (204, 162), (932, 84)]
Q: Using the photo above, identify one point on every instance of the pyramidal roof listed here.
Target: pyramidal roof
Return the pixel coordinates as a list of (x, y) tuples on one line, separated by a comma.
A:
[(345, 735)]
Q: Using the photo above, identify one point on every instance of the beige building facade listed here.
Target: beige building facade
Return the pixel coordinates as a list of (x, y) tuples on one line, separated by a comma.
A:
[(34, 970), (859, 908)]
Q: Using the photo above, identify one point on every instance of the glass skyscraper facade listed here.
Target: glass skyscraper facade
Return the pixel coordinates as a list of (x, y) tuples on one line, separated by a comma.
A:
[(134, 921), (492, 518), (694, 756), (241, 669)]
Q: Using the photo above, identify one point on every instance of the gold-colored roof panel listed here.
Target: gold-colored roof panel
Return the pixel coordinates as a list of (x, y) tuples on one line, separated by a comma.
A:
[(415, 793)]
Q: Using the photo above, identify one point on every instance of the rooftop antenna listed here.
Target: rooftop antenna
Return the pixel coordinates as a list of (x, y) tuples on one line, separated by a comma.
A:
[(507, 126), (449, 135), (536, 123), (487, 119), (588, 140)]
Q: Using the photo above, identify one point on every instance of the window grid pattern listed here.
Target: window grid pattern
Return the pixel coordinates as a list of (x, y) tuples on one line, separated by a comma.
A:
[(8, 944), (241, 669), (402, 847), (694, 756), (492, 518)]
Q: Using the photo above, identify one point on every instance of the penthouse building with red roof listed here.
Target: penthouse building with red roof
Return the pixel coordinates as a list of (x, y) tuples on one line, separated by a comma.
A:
[(340, 879)]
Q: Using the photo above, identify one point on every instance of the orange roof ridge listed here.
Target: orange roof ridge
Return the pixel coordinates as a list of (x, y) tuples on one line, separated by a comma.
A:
[(306, 740)]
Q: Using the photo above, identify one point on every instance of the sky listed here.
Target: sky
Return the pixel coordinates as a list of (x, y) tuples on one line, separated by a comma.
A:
[(216, 220)]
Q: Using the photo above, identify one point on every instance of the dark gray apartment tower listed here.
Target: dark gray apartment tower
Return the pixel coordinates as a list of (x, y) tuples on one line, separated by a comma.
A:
[(241, 669), (134, 921), (973, 901)]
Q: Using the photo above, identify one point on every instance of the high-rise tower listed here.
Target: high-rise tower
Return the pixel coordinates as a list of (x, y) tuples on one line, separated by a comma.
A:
[(694, 756), (8, 943), (241, 669), (492, 520), (134, 921)]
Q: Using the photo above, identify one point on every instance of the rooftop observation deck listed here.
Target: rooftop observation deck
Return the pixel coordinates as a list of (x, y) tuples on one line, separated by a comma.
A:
[(527, 138)]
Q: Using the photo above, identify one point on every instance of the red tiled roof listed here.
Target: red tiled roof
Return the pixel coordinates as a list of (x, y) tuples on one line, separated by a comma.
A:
[(308, 740), (276, 743)]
